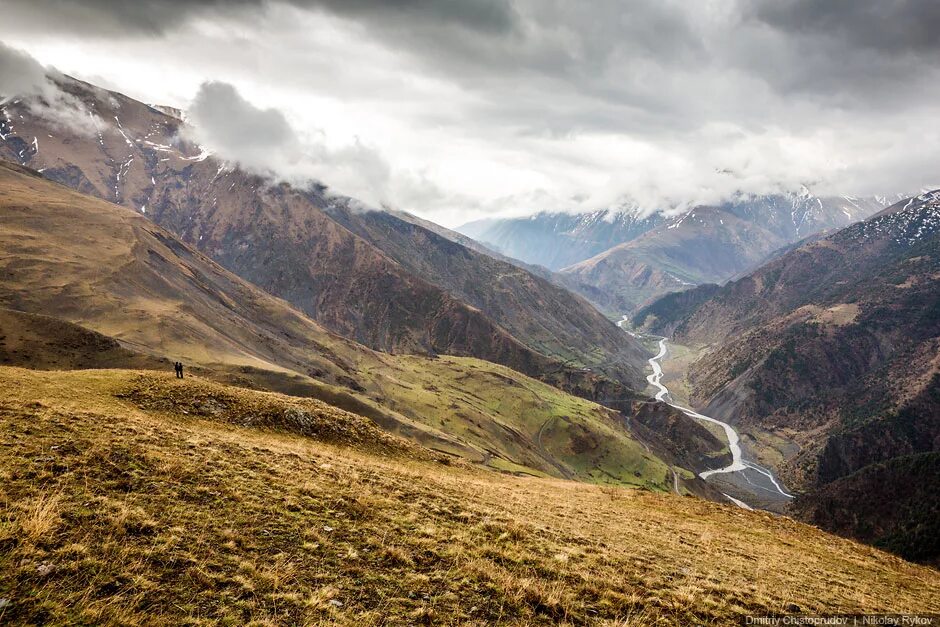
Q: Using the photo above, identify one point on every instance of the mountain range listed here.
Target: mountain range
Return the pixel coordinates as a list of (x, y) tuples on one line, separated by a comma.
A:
[(833, 346), (620, 260), (365, 274), (427, 420), (556, 240), (128, 293)]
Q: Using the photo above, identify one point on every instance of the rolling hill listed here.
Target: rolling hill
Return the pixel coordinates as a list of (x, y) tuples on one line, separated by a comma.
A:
[(136, 498)]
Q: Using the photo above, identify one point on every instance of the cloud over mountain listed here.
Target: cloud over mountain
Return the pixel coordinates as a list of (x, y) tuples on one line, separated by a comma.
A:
[(494, 106)]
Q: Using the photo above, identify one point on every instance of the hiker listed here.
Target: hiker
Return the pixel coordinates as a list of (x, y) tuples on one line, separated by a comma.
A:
[(178, 366)]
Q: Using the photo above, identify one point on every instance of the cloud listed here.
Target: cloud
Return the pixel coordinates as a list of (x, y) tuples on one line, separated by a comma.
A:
[(223, 119), (898, 27), (450, 108), (264, 141), (22, 76), (156, 17)]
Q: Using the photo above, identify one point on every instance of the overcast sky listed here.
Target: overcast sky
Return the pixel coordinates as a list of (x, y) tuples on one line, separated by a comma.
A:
[(457, 109)]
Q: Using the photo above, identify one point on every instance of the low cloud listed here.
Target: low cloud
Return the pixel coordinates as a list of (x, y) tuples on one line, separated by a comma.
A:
[(21, 76), (228, 123), (262, 140)]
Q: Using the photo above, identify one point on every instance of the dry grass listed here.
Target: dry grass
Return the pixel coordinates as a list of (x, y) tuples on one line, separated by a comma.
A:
[(39, 517), (110, 513)]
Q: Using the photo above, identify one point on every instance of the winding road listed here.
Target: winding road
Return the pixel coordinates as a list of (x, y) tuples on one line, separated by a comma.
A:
[(763, 480)]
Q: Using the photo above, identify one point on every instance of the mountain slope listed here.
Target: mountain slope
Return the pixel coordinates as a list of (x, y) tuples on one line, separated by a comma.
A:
[(281, 239), (558, 240), (121, 505), (524, 304), (119, 275), (708, 245), (835, 345)]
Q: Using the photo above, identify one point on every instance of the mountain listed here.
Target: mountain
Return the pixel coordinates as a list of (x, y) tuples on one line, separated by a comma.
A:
[(134, 498), (557, 240), (708, 245), (351, 271), (472, 244), (126, 293), (528, 306), (834, 346)]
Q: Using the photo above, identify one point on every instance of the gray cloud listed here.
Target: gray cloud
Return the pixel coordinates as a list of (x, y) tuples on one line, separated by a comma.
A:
[(519, 105), (20, 74), (223, 119), (892, 26), (263, 140), (155, 17)]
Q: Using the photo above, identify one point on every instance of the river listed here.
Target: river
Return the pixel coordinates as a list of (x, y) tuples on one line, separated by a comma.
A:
[(754, 478)]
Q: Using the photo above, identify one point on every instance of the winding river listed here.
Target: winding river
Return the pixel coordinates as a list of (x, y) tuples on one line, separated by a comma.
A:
[(764, 479)]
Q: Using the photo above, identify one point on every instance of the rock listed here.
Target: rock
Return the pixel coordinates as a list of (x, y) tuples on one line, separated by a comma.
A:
[(336, 603)]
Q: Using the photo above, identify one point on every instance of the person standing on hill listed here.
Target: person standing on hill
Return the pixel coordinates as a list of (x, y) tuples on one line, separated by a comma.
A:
[(178, 366)]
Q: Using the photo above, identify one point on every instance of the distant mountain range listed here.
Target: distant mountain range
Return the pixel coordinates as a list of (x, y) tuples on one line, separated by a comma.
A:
[(620, 261), (834, 346), (558, 240)]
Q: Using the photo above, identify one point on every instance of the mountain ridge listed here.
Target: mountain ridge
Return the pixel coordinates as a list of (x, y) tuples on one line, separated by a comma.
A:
[(283, 240), (834, 344)]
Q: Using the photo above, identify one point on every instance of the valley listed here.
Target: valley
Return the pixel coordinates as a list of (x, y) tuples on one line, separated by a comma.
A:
[(484, 313), (750, 483), (624, 259), (804, 354), (126, 284)]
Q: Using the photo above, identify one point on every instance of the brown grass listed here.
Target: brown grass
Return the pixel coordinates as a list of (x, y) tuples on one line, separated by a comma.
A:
[(39, 517), (110, 513)]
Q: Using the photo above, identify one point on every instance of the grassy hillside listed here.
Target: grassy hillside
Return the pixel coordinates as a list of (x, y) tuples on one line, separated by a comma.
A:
[(517, 422), (123, 277), (133, 499)]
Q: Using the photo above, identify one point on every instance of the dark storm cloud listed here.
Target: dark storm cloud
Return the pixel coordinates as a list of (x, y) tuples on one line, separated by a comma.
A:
[(891, 26), (615, 52), (851, 52), (155, 17)]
